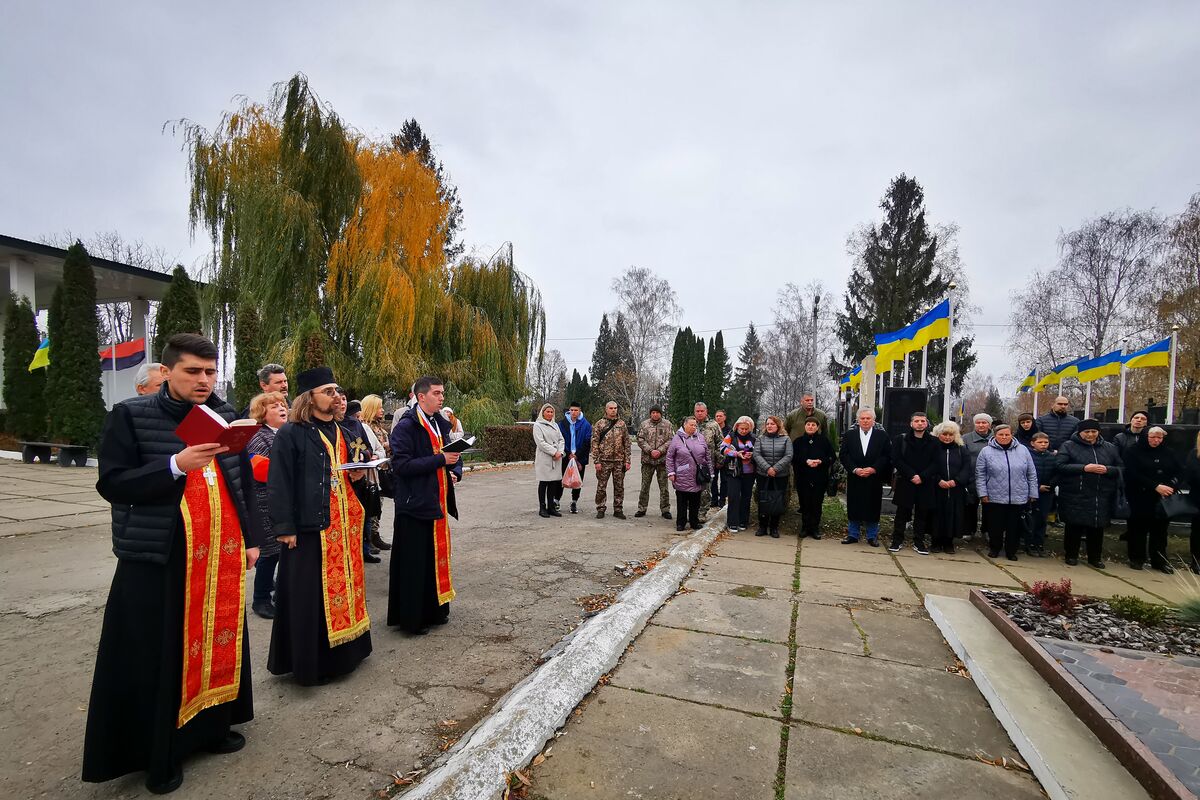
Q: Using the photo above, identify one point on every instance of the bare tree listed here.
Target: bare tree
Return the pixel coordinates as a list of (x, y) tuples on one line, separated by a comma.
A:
[(651, 311), (114, 318), (548, 378), (798, 346), (1179, 302), (1095, 295)]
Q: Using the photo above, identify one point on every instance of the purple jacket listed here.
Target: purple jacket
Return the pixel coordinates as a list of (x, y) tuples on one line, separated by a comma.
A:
[(684, 454)]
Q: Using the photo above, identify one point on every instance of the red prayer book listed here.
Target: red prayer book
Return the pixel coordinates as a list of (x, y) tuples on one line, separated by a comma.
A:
[(202, 425)]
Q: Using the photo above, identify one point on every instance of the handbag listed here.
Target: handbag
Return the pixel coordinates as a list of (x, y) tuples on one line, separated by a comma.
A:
[(1120, 504), (1179, 505), (571, 479), (372, 506), (387, 483), (703, 473), (771, 502)]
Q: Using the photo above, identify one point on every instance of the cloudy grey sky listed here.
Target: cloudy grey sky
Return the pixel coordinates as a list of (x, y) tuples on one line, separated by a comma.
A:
[(730, 147)]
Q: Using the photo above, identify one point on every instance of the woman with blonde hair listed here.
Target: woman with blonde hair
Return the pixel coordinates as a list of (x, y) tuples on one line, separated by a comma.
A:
[(772, 464), (371, 416), (270, 410), (955, 470), (547, 457), (738, 449)]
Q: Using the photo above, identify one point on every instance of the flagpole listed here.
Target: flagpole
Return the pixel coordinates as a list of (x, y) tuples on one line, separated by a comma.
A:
[(1171, 379), (949, 352), (1121, 402), (906, 370), (925, 366), (1087, 401), (112, 377), (1035, 391)]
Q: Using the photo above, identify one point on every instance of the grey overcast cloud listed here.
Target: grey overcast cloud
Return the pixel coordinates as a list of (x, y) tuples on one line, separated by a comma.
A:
[(730, 147)]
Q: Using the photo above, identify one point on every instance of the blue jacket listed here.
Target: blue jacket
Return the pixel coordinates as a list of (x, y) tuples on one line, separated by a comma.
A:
[(415, 467), (1006, 475), (583, 437)]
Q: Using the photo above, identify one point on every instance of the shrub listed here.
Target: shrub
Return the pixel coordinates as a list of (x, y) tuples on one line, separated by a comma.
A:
[(24, 391), (508, 443), (1055, 598), (72, 396), (1189, 611), (1137, 610)]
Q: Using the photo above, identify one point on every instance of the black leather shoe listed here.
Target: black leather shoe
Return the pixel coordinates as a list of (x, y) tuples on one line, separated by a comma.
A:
[(554, 512), (542, 512), (574, 510), (848, 540), (680, 526), (264, 608), (618, 515), (993, 553), (1136, 565), (760, 532), (818, 537), (639, 513), (370, 559), (232, 742), (169, 785), (1072, 562), (1097, 564), (774, 534), (873, 542), (600, 514), (1166, 569), (666, 515)]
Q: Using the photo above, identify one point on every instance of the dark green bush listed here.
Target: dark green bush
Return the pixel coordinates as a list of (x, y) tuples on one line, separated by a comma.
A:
[(1136, 609), (508, 443)]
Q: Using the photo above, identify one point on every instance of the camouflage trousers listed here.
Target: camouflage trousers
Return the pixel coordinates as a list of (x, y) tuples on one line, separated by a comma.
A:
[(603, 470), (664, 496)]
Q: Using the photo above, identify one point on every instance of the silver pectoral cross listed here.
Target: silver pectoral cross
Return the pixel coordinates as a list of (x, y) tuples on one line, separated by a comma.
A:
[(210, 475)]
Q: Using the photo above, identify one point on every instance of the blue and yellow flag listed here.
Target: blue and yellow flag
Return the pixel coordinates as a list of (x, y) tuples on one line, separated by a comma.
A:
[(933, 324), (1056, 374), (852, 380), (1099, 367), (1156, 355), (42, 357), (1029, 382)]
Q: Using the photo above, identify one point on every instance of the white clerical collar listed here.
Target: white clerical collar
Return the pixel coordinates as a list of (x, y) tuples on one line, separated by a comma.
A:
[(429, 423)]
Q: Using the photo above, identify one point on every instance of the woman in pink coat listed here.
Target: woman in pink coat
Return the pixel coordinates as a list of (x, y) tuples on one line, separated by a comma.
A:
[(687, 455)]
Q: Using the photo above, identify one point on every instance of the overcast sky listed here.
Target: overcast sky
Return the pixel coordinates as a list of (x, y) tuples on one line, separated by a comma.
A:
[(730, 147)]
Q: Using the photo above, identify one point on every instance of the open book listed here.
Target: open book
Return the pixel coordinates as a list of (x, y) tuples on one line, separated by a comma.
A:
[(459, 445), (363, 464), (202, 425)]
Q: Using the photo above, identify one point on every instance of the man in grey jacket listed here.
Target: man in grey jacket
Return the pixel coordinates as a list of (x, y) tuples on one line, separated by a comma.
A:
[(974, 442), (1006, 481)]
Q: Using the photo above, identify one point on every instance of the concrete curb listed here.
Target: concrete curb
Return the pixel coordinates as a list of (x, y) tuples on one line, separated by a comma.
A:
[(527, 717)]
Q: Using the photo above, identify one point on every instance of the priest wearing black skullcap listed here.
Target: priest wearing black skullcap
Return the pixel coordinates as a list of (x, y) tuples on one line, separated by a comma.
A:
[(321, 629)]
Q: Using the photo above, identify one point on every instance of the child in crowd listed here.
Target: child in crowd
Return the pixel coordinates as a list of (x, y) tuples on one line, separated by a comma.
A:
[(1045, 463)]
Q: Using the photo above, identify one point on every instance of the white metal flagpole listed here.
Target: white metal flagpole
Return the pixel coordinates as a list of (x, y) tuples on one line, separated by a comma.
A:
[(1035, 391), (1121, 402), (906, 359), (1087, 401), (1171, 379), (949, 354)]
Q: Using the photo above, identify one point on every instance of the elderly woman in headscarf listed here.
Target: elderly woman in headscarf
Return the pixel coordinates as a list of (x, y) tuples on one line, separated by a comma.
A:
[(738, 449), (547, 456)]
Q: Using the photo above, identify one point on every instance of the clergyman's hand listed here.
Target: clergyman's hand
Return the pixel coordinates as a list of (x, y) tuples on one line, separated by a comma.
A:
[(451, 458), (251, 557), (287, 541), (198, 455)]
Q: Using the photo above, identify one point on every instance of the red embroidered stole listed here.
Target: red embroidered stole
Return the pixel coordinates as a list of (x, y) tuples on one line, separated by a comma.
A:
[(214, 594), (342, 577), (441, 527)]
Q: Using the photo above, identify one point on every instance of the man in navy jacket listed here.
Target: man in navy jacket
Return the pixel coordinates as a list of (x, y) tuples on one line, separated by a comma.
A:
[(419, 587), (577, 433)]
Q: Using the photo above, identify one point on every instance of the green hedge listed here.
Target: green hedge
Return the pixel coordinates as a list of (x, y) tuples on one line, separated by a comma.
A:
[(508, 443)]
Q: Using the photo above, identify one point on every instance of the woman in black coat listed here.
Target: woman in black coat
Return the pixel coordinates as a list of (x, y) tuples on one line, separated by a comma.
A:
[(1089, 474), (812, 456), (955, 471), (1152, 472)]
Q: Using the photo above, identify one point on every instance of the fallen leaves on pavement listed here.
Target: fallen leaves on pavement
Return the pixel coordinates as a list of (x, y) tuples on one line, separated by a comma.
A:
[(408, 778), (1006, 763), (595, 603)]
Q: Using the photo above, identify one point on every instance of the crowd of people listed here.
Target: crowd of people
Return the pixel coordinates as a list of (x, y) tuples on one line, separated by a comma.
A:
[(300, 504)]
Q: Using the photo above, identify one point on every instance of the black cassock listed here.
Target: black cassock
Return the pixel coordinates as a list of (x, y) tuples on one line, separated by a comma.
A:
[(136, 689), (864, 496)]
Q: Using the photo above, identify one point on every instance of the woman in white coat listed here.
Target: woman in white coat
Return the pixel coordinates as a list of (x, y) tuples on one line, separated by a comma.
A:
[(547, 460)]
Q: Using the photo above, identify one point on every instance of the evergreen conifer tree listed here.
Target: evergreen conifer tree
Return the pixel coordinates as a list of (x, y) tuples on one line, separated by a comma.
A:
[(717, 372), (748, 381), (697, 374), (73, 398), (24, 391), (602, 355), (578, 391), (179, 312), (675, 379), (247, 355)]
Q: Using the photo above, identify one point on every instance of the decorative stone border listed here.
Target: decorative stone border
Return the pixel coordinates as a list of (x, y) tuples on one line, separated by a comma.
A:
[(1159, 782)]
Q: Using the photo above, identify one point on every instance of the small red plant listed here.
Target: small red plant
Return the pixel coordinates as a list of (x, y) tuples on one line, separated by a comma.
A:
[(1055, 598)]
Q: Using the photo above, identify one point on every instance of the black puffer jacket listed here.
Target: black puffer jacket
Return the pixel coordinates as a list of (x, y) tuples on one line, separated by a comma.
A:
[(914, 456), (1085, 498), (257, 508), (1059, 427), (135, 474), (1146, 468)]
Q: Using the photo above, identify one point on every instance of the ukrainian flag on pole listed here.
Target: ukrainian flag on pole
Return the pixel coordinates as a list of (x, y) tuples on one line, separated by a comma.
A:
[(1156, 355), (41, 358), (1056, 374), (1100, 367), (1029, 382), (933, 324), (852, 380)]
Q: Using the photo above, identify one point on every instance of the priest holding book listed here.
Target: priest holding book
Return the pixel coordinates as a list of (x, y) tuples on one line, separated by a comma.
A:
[(173, 665), (425, 467), (321, 628)]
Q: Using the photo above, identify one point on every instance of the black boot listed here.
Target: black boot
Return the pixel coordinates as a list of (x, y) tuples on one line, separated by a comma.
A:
[(553, 511), (542, 512)]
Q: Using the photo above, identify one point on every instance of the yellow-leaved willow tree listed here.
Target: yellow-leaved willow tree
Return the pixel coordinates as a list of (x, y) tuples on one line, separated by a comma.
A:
[(328, 247)]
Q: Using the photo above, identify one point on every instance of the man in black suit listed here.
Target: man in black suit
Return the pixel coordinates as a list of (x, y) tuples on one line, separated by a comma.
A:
[(865, 455)]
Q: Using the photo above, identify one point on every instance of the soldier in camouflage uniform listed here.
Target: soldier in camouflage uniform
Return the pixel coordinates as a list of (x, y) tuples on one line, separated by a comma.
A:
[(710, 432), (653, 437), (610, 452)]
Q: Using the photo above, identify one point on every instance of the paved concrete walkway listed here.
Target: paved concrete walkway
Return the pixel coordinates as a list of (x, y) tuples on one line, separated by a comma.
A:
[(788, 669)]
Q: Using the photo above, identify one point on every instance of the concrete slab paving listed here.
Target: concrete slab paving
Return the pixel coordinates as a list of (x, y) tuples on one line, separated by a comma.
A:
[(847, 558), (752, 573), (720, 670), (826, 764), (731, 615), (630, 745), (38, 509), (980, 572), (830, 627), (780, 551), (1173, 588), (911, 640), (722, 587), (943, 588), (916, 705), (865, 585), (23, 527)]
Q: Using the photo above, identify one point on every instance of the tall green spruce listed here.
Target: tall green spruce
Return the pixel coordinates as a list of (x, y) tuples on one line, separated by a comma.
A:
[(24, 391), (73, 399), (687, 377), (895, 276), (179, 311), (247, 355), (578, 391), (717, 372), (612, 362), (748, 382)]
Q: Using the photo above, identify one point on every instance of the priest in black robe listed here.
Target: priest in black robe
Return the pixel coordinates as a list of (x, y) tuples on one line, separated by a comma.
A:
[(420, 587), (173, 664), (321, 628)]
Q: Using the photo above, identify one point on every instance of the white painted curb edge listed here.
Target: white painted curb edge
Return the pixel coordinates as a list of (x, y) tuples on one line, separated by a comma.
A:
[(527, 717)]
